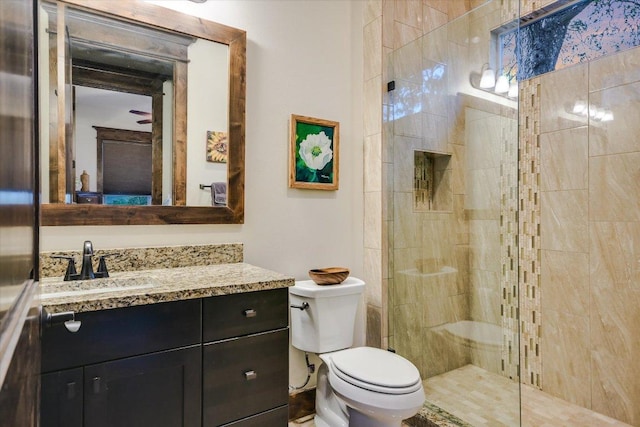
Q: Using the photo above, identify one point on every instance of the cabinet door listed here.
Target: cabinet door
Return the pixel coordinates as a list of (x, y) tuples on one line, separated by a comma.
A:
[(244, 376), (159, 389), (61, 402)]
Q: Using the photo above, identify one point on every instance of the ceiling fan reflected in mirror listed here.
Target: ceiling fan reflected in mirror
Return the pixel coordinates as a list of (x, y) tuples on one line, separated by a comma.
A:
[(142, 113)]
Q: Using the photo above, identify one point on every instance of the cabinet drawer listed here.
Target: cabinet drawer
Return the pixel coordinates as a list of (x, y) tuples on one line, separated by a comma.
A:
[(122, 332), (274, 418), (244, 376), (243, 314)]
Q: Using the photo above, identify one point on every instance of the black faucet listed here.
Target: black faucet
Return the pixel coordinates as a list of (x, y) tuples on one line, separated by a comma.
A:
[(86, 272)]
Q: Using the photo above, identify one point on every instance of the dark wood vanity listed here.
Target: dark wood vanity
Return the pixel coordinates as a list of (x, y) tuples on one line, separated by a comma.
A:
[(181, 346), (221, 360)]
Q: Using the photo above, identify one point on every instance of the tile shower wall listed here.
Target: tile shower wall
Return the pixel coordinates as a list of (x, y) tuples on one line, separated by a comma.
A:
[(446, 262), (580, 292), (388, 25), (590, 236)]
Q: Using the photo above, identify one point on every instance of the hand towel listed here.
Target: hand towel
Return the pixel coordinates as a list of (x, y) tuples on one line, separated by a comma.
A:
[(219, 194)]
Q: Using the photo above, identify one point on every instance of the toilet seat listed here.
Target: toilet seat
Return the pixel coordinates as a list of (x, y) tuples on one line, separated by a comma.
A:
[(376, 370)]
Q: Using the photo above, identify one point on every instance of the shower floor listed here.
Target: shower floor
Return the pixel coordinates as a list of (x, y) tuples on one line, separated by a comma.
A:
[(482, 398)]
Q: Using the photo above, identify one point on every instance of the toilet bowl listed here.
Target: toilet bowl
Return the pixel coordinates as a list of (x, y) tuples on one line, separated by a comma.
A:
[(356, 387)]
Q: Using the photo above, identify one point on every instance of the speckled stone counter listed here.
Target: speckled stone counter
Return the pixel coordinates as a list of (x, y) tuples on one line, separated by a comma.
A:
[(132, 259), (157, 285)]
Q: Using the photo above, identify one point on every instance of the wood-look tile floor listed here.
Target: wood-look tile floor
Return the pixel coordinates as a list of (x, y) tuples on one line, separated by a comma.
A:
[(482, 399)]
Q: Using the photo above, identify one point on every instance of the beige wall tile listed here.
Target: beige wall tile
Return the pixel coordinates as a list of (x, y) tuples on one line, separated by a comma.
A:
[(372, 270), (563, 221), (441, 5), (372, 106), (408, 119), (404, 34), (564, 160), (433, 18), (388, 21), (566, 357), (435, 47), (373, 163), (372, 49), (485, 296), (406, 64), (435, 137), (615, 254), (387, 193), (437, 239), (408, 320), (615, 390), (403, 156), (621, 134), (483, 190), (458, 162), (409, 12), (614, 70), (442, 191), (482, 141), (372, 11), (484, 244), (614, 187), (434, 87), (615, 319), (559, 91), (564, 282), (457, 8), (407, 224), (374, 326), (373, 220)]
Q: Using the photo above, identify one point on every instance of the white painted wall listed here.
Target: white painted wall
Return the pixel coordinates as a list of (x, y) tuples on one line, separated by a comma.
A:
[(104, 108), (303, 57)]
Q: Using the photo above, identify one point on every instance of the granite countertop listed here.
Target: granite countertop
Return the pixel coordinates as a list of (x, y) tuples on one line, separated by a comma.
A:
[(141, 287)]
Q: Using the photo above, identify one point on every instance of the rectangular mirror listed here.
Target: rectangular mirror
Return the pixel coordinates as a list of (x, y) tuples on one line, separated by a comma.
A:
[(142, 122)]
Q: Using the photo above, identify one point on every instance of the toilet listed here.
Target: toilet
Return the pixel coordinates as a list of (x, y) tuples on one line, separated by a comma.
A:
[(356, 387)]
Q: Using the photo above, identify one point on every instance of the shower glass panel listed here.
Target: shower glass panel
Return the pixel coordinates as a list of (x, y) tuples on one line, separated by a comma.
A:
[(453, 286), (514, 214)]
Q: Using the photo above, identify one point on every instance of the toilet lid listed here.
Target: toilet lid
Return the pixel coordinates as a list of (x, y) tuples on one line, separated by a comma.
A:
[(376, 370)]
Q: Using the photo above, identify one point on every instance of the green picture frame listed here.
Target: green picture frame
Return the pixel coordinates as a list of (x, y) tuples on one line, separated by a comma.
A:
[(314, 153)]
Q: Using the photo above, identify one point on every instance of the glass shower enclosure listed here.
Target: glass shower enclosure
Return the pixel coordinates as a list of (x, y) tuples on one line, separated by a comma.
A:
[(514, 240)]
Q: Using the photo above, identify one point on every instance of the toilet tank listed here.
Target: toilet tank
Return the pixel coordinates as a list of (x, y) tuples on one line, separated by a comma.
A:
[(329, 321)]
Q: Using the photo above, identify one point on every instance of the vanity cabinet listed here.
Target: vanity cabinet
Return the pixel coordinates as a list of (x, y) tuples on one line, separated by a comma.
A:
[(213, 361), (131, 366), (245, 359)]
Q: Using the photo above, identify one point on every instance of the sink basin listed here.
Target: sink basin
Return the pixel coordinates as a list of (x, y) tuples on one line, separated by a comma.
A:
[(89, 287)]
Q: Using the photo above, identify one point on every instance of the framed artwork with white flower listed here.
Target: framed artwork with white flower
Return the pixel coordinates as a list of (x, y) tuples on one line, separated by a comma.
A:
[(313, 158)]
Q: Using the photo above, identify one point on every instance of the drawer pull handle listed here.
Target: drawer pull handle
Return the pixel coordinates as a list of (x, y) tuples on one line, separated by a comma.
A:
[(250, 313), (96, 385), (250, 375)]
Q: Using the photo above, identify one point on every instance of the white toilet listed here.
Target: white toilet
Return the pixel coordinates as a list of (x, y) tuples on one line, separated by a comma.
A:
[(356, 387)]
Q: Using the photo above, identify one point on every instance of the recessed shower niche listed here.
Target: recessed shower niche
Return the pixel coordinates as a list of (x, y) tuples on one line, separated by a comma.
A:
[(431, 181)]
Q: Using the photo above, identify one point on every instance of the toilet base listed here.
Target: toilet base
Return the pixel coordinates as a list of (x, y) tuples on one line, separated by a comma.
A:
[(358, 419), (332, 411)]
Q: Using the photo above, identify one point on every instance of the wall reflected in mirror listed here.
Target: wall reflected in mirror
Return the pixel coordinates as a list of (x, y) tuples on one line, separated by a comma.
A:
[(102, 73)]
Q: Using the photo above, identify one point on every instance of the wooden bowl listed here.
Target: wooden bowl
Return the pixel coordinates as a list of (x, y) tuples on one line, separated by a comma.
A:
[(329, 276)]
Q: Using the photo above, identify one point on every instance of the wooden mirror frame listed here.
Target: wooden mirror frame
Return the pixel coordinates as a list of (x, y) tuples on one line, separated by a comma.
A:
[(233, 213)]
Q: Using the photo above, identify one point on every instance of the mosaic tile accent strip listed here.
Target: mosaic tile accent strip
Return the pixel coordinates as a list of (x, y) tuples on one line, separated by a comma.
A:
[(509, 251), (423, 179), (529, 233), (134, 259)]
